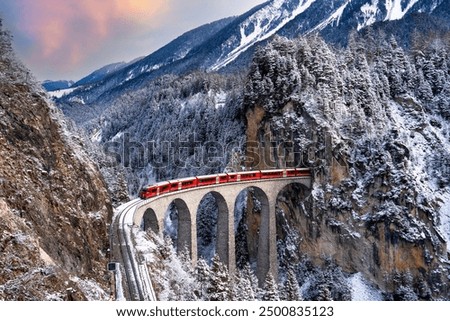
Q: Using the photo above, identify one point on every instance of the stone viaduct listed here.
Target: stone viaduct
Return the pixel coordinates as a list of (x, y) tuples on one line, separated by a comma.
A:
[(151, 213)]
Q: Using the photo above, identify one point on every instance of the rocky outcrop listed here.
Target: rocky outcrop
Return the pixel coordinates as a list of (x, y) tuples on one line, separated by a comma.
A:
[(54, 206), (375, 203)]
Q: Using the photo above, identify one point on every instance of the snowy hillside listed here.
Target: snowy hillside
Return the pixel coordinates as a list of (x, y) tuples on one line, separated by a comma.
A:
[(379, 126), (375, 225), (228, 44), (261, 25), (50, 85), (101, 73)]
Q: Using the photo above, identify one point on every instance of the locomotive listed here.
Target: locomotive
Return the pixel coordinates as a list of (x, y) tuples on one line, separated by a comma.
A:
[(223, 178)]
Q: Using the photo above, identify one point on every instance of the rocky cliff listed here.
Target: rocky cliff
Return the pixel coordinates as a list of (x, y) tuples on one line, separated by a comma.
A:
[(54, 206), (372, 123)]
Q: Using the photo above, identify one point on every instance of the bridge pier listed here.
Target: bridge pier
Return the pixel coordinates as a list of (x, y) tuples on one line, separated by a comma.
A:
[(225, 232), (187, 228), (267, 243)]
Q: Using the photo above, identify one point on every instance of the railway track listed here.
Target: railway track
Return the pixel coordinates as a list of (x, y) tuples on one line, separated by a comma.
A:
[(136, 285)]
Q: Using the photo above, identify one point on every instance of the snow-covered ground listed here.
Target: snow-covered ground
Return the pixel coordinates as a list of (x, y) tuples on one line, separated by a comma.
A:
[(361, 290), (394, 9), (91, 289), (119, 288), (61, 92)]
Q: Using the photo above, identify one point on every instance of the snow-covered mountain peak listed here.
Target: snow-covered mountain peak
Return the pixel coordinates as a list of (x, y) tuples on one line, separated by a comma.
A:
[(263, 24), (389, 10)]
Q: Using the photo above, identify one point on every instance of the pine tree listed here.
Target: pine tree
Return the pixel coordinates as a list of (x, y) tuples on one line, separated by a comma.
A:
[(324, 293), (270, 289), (207, 214), (243, 288), (203, 277), (248, 274), (220, 287), (291, 290), (166, 248)]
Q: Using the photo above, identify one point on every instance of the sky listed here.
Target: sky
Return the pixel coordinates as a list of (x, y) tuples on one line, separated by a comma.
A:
[(68, 39)]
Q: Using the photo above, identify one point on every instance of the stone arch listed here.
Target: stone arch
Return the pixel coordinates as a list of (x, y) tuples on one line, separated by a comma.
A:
[(184, 228), (292, 210), (258, 230), (306, 190), (220, 227), (150, 221)]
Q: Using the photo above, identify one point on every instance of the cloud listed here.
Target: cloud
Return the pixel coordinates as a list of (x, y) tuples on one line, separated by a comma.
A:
[(68, 38), (67, 32)]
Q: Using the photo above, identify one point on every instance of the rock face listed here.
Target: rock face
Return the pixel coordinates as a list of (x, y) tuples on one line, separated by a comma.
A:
[(54, 206), (374, 131)]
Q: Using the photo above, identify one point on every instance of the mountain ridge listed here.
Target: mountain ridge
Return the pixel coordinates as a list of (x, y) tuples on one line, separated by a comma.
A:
[(227, 44)]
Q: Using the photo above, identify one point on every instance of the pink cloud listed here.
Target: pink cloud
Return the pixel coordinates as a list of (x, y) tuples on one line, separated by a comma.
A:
[(68, 32)]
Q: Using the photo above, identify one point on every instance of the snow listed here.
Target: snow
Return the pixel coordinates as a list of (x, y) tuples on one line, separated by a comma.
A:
[(97, 136), (420, 152), (361, 290), (96, 216), (220, 98), (91, 289), (79, 100), (170, 226), (61, 92), (369, 14), (395, 11), (117, 137), (154, 67), (119, 287), (445, 218), (45, 257), (143, 245), (143, 277), (130, 76), (335, 17), (266, 23)]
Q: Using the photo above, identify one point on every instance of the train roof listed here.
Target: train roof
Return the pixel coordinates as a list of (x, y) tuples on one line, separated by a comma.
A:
[(187, 179)]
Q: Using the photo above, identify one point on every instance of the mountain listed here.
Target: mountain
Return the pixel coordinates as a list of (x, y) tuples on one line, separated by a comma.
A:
[(52, 85), (54, 205), (155, 63), (228, 44), (102, 73)]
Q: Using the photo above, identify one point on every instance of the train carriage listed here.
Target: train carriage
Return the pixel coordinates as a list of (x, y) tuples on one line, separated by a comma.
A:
[(275, 173), (212, 179), (249, 176), (183, 183)]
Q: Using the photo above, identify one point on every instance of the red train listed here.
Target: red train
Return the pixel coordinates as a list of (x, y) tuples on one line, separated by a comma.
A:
[(191, 182)]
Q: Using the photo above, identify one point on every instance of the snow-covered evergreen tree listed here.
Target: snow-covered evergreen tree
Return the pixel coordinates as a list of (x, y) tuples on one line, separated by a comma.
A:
[(270, 289), (243, 287), (203, 277), (220, 287), (291, 290)]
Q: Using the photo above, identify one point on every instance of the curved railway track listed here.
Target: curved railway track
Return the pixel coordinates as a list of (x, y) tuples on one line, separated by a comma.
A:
[(136, 284)]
